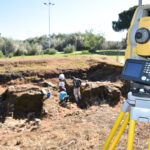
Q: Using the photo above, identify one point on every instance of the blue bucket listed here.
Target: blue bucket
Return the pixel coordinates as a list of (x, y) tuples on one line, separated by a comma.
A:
[(48, 94)]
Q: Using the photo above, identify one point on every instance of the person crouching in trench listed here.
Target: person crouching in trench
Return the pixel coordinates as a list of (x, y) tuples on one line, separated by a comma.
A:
[(63, 97)]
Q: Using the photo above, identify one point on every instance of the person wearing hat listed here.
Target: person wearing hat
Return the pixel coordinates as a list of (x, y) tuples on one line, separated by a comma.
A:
[(62, 82), (61, 77)]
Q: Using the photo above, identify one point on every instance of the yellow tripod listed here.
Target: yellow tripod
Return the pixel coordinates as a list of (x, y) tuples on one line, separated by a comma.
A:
[(138, 108)]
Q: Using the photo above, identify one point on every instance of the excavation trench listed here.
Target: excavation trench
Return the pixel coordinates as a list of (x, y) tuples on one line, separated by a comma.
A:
[(101, 84), (100, 72)]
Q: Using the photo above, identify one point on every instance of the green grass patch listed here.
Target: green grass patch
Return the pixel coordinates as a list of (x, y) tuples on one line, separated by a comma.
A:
[(115, 54)]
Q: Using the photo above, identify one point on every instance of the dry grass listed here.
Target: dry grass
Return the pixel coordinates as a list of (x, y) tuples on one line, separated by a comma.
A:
[(52, 64), (71, 129)]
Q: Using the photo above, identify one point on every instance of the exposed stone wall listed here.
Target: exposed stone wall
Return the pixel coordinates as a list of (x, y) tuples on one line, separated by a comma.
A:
[(97, 93), (21, 100)]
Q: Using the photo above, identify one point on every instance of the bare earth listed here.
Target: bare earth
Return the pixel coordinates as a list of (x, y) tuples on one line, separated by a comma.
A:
[(53, 64), (69, 128)]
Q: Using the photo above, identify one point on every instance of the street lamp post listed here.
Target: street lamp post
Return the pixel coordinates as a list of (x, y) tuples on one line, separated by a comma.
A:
[(140, 2), (49, 4)]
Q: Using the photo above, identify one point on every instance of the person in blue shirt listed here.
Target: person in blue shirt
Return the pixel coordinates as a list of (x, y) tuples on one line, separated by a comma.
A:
[(63, 97)]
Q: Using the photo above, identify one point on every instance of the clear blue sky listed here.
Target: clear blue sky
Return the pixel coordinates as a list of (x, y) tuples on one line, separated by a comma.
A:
[(21, 19)]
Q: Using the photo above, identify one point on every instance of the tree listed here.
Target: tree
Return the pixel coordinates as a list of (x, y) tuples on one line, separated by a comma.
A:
[(8, 47), (69, 48), (1, 43), (92, 41), (124, 20), (20, 49), (36, 49)]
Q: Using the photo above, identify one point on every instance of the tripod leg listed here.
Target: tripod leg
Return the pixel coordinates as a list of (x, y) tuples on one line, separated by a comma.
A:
[(149, 143), (115, 127), (122, 128), (131, 135)]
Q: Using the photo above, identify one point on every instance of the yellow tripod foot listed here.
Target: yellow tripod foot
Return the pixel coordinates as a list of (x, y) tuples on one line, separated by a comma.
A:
[(115, 127), (149, 143), (131, 135), (121, 130)]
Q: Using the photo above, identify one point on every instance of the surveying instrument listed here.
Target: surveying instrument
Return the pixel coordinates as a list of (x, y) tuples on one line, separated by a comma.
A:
[(137, 71)]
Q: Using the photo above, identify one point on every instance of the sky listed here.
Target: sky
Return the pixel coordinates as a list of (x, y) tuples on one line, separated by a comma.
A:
[(22, 19)]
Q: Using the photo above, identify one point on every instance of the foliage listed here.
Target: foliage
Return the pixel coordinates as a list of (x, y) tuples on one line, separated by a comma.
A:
[(111, 52), (61, 42), (50, 51), (107, 45), (1, 54), (1, 43), (92, 42), (42, 41), (10, 55), (20, 49), (8, 47), (69, 49), (124, 20), (36, 49), (111, 45), (85, 52)]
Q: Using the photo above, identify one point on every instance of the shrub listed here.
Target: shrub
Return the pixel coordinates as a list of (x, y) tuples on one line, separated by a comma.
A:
[(1, 54), (50, 51), (10, 55), (111, 45), (85, 52), (69, 49), (35, 49)]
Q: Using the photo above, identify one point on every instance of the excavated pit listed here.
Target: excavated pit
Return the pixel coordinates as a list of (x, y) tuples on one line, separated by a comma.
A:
[(101, 85)]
